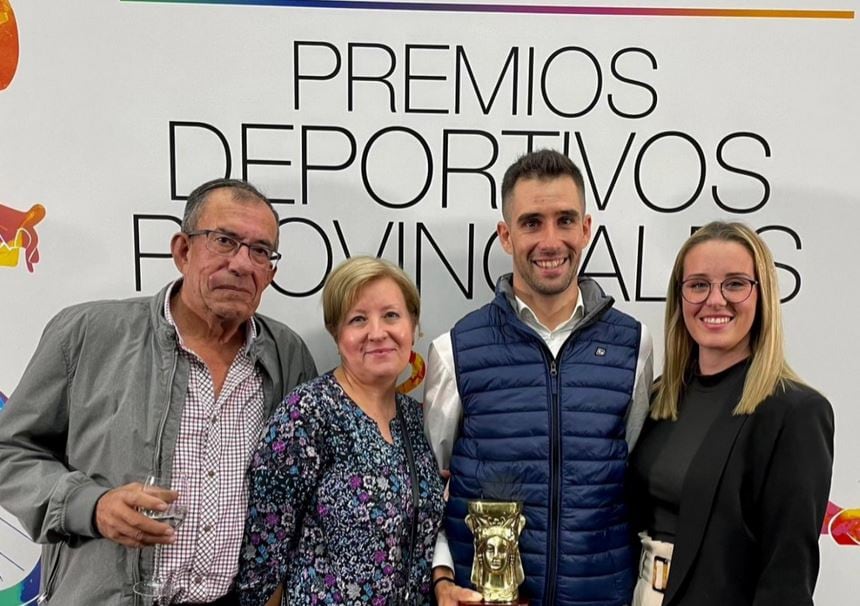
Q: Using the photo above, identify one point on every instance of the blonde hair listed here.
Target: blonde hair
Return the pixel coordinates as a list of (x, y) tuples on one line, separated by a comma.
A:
[(344, 285), (768, 369)]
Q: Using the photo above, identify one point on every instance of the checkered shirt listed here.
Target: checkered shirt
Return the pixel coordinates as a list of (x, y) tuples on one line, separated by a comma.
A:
[(213, 449)]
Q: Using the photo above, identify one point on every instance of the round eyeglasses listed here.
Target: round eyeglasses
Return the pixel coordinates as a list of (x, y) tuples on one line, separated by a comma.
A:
[(226, 245), (734, 290)]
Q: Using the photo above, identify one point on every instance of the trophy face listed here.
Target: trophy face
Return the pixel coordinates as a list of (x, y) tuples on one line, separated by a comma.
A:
[(497, 570)]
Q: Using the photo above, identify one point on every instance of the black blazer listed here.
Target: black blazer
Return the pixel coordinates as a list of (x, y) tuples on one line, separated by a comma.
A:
[(752, 506)]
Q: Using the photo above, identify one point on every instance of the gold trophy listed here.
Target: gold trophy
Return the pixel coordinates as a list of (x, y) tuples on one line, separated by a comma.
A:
[(497, 570)]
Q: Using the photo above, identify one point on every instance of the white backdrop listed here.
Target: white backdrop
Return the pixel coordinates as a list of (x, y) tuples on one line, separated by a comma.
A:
[(389, 130)]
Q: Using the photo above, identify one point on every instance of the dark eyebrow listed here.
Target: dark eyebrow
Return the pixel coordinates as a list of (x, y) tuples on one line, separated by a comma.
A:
[(524, 218), (570, 213), (734, 274)]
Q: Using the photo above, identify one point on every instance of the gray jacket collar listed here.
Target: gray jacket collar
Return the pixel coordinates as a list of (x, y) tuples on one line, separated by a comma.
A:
[(594, 300)]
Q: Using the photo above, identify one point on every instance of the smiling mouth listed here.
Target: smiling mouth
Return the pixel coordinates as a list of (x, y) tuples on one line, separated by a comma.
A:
[(720, 321), (550, 263)]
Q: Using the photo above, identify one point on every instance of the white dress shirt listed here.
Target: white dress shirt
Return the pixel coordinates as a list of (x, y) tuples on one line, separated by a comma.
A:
[(443, 408)]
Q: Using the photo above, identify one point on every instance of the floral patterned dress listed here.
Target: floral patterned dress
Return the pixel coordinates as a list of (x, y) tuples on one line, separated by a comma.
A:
[(330, 505)]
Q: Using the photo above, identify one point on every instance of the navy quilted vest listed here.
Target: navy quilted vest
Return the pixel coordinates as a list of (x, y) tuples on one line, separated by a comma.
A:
[(549, 433)]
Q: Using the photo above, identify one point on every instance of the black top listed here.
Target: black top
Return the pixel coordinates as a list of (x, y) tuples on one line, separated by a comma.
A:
[(752, 504), (664, 454)]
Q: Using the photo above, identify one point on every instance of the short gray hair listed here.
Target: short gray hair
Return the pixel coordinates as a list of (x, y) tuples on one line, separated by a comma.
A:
[(242, 190)]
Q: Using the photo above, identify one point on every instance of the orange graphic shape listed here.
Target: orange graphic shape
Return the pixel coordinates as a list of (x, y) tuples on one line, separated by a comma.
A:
[(845, 527), (842, 524), (18, 231), (419, 369), (8, 44)]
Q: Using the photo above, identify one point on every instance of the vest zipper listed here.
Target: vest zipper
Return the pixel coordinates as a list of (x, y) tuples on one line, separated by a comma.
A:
[(555, 489)]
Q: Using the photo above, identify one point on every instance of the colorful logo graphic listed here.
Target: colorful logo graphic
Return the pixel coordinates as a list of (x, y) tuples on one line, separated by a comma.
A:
[(843, 525), (537, 8), (8, 44), (17, 233), (19, 558), (416, 377)]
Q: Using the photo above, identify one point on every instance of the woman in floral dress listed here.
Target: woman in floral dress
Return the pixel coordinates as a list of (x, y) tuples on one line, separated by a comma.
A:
[(345, 496)]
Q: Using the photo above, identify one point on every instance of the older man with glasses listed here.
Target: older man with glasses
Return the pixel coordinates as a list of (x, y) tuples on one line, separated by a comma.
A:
[(174, 385)]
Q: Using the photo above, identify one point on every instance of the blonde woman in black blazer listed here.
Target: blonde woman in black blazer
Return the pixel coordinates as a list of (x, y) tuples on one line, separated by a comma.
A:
[(730, 479)]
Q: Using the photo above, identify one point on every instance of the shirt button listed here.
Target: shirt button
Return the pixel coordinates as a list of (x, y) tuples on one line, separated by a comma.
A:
[(214, 419), (207, 528), (210, 473), (197, 580)]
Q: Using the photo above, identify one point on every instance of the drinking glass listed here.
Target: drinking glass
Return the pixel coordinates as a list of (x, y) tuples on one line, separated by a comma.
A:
[(156, 590)]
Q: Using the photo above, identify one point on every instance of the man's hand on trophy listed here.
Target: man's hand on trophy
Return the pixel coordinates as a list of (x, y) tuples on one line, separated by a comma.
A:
[(447, 592)]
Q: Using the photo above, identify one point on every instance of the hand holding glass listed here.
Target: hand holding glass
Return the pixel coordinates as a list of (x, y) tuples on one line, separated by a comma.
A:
[(175, 512), (156, 589)]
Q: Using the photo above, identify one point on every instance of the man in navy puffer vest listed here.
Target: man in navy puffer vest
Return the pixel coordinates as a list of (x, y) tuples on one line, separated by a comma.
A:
[(538, 397)]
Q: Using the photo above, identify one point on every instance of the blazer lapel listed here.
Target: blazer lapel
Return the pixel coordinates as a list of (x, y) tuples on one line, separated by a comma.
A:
[(698, 492)]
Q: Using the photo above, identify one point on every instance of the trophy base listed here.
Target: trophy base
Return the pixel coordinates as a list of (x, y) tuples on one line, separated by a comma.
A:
[(517, 602)]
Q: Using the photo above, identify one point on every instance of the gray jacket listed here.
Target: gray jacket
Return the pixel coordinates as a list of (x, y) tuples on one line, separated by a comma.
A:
[(99, 406)]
